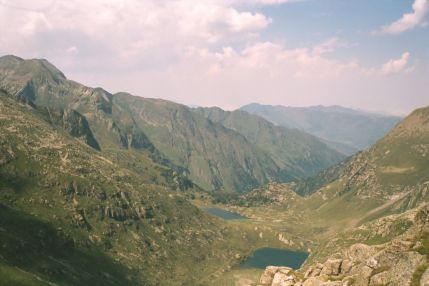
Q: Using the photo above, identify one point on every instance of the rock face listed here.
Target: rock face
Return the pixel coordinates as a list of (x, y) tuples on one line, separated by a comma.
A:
[(279, 276), (402, 261), (74, 123), (215, 156)]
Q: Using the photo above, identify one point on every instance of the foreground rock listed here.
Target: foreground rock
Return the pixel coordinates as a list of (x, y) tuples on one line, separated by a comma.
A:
[(279, 276), (402, 261)]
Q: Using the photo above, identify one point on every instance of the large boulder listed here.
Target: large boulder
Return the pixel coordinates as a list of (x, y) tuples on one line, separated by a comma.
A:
[(278, 276), (332, 267)]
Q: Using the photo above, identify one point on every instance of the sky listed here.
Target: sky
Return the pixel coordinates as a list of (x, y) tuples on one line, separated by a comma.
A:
[(365, 54)]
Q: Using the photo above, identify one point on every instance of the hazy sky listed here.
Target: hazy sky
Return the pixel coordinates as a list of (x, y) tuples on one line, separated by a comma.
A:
[(368, 54)]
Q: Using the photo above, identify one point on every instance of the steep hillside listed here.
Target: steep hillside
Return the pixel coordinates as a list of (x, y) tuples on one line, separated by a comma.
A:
[(217, 158), (73, 215), (403, 260), (393, 172), (364, 221), (390, 177), (297, 154), (212, 155), (344, 129)]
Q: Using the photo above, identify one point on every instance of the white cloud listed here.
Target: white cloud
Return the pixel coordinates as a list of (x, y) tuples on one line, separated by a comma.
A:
[(409, 20), (129, 32), (272, 60), (72, 50), (207, 52), (397, 65), (255, 2), (268, 72)]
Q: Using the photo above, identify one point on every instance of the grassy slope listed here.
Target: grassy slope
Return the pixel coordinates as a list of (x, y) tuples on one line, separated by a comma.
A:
[(365, 200), (298, 154), (216, 157), (75, 207)]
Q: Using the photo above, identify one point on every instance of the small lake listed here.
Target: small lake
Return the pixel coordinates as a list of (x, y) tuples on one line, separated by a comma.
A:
[(224, 214), (264, 257)]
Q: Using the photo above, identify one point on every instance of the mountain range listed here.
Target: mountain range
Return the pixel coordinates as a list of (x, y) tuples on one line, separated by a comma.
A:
[(210, 153), (110, 189), (365, 216), (75, 213), (347, 130)]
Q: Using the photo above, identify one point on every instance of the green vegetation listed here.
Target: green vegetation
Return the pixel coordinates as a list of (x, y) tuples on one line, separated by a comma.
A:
[(417, 275), (102, 189), (89, 212), (33, 248), (297, 154), (424, 239), (380, 270), (214, 155)]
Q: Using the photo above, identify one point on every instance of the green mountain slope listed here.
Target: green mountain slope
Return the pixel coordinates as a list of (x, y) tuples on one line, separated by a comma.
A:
[(365, 221), (217, 158), (297, 154), (344, 129), (73, 215), (390, 177), (374, 216), (396, 166), (212, 155)]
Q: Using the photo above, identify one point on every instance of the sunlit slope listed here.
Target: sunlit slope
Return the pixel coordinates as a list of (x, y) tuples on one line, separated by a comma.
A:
[(73, 215), (213, 155)]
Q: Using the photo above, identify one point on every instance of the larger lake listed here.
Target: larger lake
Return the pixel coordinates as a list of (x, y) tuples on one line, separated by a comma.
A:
[(224, 214), (264, 257)]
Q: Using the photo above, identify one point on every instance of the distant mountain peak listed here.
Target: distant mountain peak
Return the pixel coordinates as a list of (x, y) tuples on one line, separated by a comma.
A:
[(11, 58), (37, 67), (345, 129)]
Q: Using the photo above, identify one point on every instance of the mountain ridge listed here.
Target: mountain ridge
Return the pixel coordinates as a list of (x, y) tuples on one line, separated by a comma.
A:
[(215, 157), (345, 129), (289, 148), (74, 215)]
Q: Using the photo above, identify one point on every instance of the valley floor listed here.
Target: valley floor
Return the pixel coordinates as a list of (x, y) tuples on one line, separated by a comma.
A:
[(302, 228)]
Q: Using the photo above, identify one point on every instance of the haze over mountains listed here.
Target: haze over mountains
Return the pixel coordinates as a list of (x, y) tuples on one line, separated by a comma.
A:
[(216, 156), (344, 129), (109, 189), (372, 209), (137, 147)]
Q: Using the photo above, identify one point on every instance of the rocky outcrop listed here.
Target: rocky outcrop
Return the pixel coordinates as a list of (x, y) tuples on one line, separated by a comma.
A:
[(77, 126), (74, 123), (402, 261), (279, 276)]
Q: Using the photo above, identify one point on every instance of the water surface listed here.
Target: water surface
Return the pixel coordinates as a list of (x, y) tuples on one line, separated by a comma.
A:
[(264, 257), (227, 215)]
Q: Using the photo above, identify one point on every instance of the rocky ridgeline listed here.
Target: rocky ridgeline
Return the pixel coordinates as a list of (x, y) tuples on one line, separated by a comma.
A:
[(279, 276), (271, 194), (402, 261)]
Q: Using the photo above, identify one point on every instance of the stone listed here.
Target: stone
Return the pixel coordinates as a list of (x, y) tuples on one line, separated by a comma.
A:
[(346, 266), (332, 267), (285, 270), (281, 279), (268, 276), (424, 281), (372, 262), (360, 252)]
